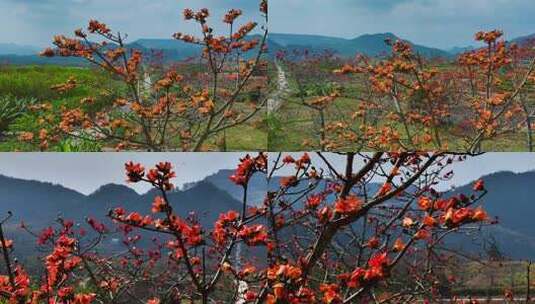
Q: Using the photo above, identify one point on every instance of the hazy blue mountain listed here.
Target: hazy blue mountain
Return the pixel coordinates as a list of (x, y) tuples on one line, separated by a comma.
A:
[(369, 44), (312, 41), (113, 193), (38, 204), (174, 50), (524, 39), (255, 193), (511, 196), (17, 49), (167, 50), (459, 50)]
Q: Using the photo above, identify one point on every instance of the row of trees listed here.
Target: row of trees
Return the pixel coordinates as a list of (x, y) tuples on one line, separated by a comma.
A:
[(372, 230), (404, 101)]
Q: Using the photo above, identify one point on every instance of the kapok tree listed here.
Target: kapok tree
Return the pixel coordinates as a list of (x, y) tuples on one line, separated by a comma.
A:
[(342, 235), (435, 104), (372, 229), (166, 257), (66, 267), (526, 98), (174, 112)]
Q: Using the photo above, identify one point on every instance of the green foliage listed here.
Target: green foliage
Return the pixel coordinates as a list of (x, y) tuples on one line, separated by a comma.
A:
[(35, 82), (321, 89), (12, 108), (70, 145)]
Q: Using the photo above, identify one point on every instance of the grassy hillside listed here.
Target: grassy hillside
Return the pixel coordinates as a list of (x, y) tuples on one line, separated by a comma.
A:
[(35, 82)]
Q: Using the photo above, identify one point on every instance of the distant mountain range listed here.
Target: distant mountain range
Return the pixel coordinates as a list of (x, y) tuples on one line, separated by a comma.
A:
[(369, 44), (174, 50), (16, 49), (511, 196), (255, 193), (38, 205), (167, 50)]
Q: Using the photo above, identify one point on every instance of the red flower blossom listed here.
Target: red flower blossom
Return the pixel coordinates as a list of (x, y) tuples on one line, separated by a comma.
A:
[(348, 205), (134, 172), (159, 205), (479, 185)]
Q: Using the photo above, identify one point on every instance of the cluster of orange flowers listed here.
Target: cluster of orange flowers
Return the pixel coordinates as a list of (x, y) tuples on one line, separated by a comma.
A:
[(68, 47), (22, 285), (348, 205), (222, 226), (247, 167), (324, 101), (199, 16), (60, 264), (97, 27), (452, 212), (282, 278), (72, 118), (171, 78), (254, 235), (377, 270), (232, 15), (219, 45)]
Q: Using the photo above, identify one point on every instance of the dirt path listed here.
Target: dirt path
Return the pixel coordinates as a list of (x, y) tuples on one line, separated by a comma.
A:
[(276, 99)]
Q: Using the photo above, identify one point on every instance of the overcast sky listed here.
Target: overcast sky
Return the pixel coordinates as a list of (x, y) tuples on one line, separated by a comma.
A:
[(35, 22), (464, 172), (437, 23), (86, 172)]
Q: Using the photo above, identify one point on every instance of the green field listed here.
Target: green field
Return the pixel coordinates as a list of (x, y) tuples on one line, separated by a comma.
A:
[(295, 124), (35, 82), (491, 278), (296, 127)]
